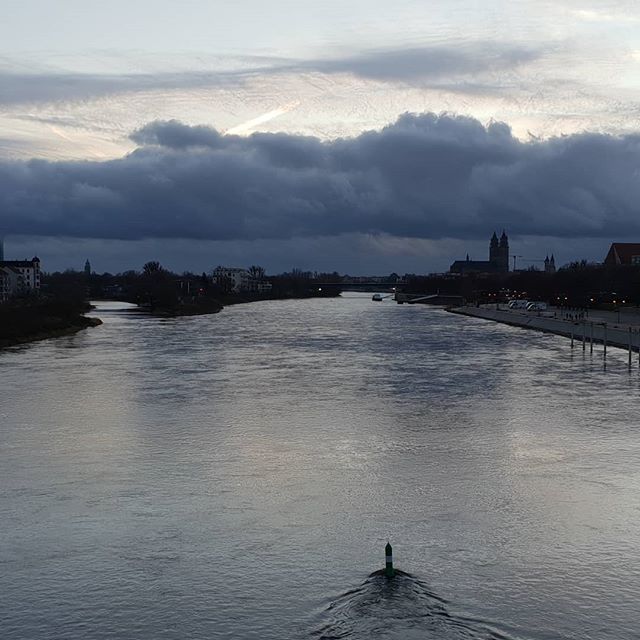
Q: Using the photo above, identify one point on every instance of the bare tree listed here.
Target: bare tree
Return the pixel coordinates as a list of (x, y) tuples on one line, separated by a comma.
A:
[(153, 266), (256, 272)]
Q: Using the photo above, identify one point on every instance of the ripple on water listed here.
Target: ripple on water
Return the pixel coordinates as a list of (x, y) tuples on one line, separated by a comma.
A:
[(189, 478), (401, 607)]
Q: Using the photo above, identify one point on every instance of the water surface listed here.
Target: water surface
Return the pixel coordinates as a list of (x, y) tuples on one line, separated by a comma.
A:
[(238, 475)]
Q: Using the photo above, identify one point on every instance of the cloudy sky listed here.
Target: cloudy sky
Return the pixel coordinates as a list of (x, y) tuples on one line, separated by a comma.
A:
[(355, 135)]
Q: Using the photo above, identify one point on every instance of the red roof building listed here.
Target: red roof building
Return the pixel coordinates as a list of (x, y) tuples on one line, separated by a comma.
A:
[(623, 253)]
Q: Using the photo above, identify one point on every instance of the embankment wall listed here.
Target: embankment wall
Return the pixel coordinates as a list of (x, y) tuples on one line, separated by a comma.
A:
[(616, 336)]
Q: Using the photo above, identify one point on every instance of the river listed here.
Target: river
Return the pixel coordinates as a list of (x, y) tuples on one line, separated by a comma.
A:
[(238, 476)]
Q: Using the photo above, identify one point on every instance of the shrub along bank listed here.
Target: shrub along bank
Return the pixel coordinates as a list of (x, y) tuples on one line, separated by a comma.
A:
[(29, 320)]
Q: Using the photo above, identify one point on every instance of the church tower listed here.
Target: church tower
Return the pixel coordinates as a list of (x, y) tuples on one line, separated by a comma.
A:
[(499, 252), (504, 252), (549, 265), (494, 249)]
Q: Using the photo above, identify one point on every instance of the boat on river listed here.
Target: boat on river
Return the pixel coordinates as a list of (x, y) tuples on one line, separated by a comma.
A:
[(377, 297)]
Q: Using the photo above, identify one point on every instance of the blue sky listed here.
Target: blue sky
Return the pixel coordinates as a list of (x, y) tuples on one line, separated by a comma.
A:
[(77, 79)]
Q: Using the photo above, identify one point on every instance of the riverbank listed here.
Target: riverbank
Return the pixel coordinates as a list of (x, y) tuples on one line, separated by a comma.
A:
[(588, 329), (22, 324), (205, 306)]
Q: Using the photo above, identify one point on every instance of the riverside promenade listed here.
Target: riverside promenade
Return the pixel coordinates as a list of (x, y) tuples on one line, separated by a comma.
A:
[(607, 328)]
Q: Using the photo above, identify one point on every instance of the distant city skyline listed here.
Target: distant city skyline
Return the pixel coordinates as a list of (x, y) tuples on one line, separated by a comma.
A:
[(181, 255), (275, 134)]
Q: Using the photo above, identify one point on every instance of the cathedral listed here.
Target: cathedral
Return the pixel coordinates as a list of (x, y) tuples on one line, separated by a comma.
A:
[(498, 261)]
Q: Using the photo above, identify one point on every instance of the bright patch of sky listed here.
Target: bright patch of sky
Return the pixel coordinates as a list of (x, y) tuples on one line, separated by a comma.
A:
[(77, 77)]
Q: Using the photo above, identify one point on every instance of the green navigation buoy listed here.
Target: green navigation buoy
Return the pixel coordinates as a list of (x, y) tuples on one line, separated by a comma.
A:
[(388, 567)]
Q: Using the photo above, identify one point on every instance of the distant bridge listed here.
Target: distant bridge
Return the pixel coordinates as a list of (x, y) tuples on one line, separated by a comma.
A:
[(369, 284)]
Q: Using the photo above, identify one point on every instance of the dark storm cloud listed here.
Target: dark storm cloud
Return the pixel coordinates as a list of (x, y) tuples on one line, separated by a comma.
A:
[(407, 65), (174, 134), (424, 176)]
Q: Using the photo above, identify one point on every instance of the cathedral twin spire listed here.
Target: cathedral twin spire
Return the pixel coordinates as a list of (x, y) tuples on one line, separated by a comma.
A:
[(498, 258), (499, 251), (550, 264)]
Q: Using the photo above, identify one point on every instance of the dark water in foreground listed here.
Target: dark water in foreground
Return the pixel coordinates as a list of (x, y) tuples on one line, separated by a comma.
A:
[(238, 475)]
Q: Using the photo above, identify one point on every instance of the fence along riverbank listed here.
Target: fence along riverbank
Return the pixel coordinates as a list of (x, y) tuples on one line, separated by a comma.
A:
[(586, 331)]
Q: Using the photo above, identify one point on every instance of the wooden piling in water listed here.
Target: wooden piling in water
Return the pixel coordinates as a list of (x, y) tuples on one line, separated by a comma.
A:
[(591, 339)]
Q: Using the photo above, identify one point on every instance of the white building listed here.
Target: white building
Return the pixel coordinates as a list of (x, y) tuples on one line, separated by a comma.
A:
[(240, 280), (6, 284), (19, 277)]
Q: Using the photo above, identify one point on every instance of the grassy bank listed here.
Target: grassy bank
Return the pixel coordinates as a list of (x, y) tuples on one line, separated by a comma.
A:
[(23, 322), (207, 305)]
